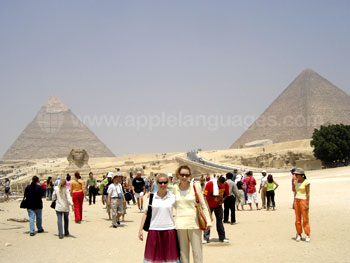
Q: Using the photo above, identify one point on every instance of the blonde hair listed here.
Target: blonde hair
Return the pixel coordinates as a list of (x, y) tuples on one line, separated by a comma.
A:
[(62, 185), (161, 176)]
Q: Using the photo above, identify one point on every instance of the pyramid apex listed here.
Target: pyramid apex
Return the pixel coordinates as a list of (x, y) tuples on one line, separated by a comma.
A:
[(55, 105)]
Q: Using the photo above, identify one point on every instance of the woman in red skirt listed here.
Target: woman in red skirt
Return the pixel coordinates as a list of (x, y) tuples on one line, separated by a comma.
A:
[(77, 192), (161, 245)]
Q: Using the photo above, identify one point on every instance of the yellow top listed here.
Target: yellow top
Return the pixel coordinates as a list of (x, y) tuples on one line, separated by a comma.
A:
[(76, 186), (186, 216), (300, 189)]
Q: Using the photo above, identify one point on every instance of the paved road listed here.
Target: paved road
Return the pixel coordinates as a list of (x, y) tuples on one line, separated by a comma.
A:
[(194, 157)]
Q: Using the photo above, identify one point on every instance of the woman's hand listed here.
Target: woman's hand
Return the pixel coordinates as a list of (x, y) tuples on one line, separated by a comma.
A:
[(141, 235), (307, 207), (207, 229)]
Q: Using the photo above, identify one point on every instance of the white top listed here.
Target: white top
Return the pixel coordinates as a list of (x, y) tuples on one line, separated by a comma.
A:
[(162, 212), (263, 180), (63, 199), (115, 190)]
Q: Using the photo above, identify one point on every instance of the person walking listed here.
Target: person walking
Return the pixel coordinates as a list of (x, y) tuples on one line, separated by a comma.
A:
[(250, 184), (162, 244), (49, 188), (68, 181), (230, 201), (63, 201), (186, 220), (270, 186), (130, 182), (91, 188), (216, 193), (33, 195), (77, 192), (262, 188), (301, 205), (116, 199), (139, 188), (240, 199), (7, 189)]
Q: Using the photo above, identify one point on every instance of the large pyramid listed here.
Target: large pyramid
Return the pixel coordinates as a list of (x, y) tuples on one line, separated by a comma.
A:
[(308, 102), (53, 133)]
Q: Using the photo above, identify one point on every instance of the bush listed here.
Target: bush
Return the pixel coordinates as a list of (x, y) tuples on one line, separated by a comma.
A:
[(332, 145)]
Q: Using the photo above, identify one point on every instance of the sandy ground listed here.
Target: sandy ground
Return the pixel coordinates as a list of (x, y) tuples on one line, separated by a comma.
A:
[(259, 236)]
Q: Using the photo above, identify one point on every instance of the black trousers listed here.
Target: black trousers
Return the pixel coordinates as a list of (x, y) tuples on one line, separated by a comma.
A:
[(230, 204), (92, 194), (219, 224), (270, 195)]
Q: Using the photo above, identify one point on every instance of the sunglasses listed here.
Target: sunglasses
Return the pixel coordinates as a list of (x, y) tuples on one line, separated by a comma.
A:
[(163, 182), (183, 175)]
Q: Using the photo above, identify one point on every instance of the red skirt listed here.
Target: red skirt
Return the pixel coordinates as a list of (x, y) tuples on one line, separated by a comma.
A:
[(162, 247)]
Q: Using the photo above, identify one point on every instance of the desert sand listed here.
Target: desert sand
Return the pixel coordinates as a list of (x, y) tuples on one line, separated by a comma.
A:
[(258, 236)]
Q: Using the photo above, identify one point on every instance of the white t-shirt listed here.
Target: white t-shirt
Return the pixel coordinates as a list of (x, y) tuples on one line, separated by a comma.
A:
[(263, 181), (115, 190), (162, 212)]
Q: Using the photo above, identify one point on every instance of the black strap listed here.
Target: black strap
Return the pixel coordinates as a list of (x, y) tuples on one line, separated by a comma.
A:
[(150, 199)]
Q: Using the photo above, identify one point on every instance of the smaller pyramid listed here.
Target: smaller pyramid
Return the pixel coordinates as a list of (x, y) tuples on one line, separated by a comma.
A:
[(308, 102), (53, 133)]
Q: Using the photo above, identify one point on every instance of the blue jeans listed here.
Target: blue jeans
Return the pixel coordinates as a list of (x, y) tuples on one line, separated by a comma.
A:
[(32, 214), (59, 223), (49, 193)]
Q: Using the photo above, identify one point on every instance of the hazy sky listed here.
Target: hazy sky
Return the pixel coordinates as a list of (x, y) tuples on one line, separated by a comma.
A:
[(133, 65)]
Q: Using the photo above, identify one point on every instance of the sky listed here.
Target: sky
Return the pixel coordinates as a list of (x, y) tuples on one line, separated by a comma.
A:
[(158, 76)]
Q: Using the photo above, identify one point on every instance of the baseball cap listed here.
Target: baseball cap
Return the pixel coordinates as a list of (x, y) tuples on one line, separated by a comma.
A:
[(293, 170), (264, 171)]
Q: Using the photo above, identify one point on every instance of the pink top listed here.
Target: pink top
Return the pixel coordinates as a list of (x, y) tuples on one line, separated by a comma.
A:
[(68, 184)]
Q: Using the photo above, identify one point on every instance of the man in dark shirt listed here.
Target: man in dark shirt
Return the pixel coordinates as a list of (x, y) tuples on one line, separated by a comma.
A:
[(138, 186), (33, 195)]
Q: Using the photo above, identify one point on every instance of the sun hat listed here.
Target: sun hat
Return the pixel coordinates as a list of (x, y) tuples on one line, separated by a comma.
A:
[(110, 175), (264, 171), (299, 171)]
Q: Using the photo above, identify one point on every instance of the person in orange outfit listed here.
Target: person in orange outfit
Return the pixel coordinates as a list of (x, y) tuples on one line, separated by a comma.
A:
[(77, 192), (301, 205)]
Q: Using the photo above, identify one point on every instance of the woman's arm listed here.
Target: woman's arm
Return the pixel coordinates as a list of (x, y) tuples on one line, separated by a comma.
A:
[(141, 225), (276, 184), (307, 188)]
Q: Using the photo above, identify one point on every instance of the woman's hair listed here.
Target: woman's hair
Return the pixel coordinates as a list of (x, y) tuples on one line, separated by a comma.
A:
[(183, 167), (270, 178), (161, 176), (62, 185), (48, 179), (90, 173), (68, 177), (77, 175), (35, 180), (7, 180)]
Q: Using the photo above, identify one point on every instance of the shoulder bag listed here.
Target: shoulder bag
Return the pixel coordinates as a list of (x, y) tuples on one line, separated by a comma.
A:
[(202, 222), (149, 214), (24, 204)]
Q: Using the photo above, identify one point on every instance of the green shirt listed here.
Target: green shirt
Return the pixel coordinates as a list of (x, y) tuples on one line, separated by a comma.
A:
[(270, 186)]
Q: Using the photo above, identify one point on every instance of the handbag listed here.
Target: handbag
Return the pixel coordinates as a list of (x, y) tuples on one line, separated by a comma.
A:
[(202, 222), (149, 214), (24, 204), (53, 204)]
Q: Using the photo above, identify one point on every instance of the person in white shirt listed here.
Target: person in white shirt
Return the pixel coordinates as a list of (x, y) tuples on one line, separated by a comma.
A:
[(161, 244), (63, 200), (262, 188), (116, 199)]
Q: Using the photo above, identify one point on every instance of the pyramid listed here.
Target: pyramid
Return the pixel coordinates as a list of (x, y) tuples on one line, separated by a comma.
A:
[(308, 102), (53, 133)]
